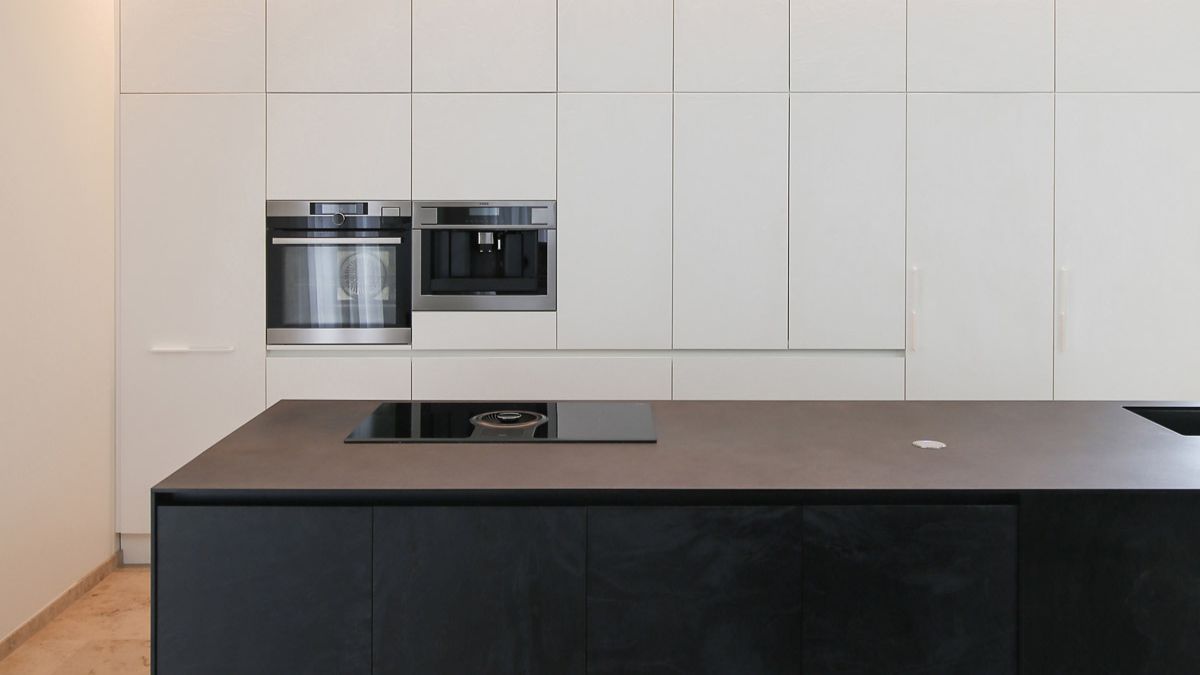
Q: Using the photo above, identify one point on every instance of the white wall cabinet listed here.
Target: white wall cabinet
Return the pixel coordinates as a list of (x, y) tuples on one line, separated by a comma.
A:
[(516, 377), (783, 377), (731, 45), (846, 271), (484, 45), (980, 246), (484, 146), (338, 45), (731, 221), (981, 45), (614, 221), (1128, 237), (191, 283), (338, 146), (192, 45), (316, 376), (848, 45), (614, 45), (484, 330), (1118, 45)]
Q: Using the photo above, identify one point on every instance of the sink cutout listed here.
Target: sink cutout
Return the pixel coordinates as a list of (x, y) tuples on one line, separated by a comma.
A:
[(1184, 421)]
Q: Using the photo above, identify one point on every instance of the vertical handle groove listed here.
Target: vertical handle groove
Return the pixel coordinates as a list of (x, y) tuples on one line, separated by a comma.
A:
[(914, 295), (1062, 309)]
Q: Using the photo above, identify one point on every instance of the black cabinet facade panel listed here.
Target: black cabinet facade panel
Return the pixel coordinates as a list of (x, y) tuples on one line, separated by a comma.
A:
[(910, 589), (262, 589), (694, 590), (1110, 583), (496, 590)]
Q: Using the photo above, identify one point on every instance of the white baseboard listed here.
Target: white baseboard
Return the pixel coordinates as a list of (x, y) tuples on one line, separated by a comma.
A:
[(135, 549)]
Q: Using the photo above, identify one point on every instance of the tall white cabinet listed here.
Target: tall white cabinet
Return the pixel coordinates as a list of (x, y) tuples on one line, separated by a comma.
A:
[(614, 221), (483, 45), (1128, 246), (846, 263), (980, 246), (191, 283), (731, 221), (1118, 45), (192, 45), (731, 45)]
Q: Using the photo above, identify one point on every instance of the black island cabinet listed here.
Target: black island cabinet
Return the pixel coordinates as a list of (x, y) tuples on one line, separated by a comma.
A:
[(262, 589), (479, 590), (1030, 583)]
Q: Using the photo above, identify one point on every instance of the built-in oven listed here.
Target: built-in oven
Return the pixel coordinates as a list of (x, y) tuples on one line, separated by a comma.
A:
[(339, 272), (497, 255)]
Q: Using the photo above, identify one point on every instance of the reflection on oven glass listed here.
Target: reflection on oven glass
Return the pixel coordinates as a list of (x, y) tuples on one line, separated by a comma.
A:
[(362, 276)]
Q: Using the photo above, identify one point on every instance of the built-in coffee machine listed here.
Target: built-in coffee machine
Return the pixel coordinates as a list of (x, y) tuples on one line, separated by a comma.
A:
[(496, 255)]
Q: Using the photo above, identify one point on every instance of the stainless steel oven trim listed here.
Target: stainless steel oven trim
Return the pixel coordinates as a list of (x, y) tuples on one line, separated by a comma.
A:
[(501, 303), (299, 208), (493, 226), (544, 208), (339, 336), (341, 241)]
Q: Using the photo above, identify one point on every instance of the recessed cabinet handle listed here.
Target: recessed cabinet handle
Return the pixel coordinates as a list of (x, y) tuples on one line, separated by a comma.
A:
[(914, 294), (190, 349), (1062, 308)]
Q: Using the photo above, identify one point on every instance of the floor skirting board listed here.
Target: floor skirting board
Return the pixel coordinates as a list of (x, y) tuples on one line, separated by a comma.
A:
[(10, 642)]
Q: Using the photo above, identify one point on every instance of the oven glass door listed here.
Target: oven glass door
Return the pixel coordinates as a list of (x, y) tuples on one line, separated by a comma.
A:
[(324, 282)]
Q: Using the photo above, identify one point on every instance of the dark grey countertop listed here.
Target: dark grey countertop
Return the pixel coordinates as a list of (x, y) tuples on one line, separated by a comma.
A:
[(297, 445)]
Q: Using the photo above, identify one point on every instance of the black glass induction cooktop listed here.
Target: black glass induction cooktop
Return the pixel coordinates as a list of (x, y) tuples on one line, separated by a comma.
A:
[(507, 422)]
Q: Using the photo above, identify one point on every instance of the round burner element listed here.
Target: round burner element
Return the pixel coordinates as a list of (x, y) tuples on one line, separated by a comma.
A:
[(509, 419)]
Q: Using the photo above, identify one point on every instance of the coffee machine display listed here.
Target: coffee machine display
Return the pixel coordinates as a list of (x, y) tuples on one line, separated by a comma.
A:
[(497, 255)]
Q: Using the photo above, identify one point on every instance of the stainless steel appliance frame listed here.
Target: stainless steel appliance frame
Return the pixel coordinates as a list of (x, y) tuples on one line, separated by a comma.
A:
[(339, 336), (491, 302), (300, 208)]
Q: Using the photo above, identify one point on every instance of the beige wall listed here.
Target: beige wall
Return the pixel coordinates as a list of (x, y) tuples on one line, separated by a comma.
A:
[(57, 265)]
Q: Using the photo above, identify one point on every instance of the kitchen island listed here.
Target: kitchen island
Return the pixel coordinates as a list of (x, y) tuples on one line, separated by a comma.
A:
[(753, 537)]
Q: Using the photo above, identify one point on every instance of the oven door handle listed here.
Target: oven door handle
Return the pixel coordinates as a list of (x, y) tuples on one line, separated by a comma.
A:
[(336, 241)]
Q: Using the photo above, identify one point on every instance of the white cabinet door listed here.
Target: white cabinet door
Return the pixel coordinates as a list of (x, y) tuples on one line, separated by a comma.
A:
[(846, 267), (981, 45), (731, 45), (564, 378), (192, 45), (731, 221), (788, 377), (338, 45), (483, 146), (339, 146), (848, 45), (614, 221), (483, 330), (980, 246), (1118, 45), (1128, 237), (312, 376), (484, 45), (614, 45), (191, 283)]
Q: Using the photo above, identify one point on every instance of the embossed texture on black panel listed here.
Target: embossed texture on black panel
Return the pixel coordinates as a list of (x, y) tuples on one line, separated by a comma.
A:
[(262, 589), (910, 589), (496, 590), (694, 590), (1110, 583)]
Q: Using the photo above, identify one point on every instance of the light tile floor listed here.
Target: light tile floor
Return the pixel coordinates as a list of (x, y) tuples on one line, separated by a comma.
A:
[(106, 632)]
